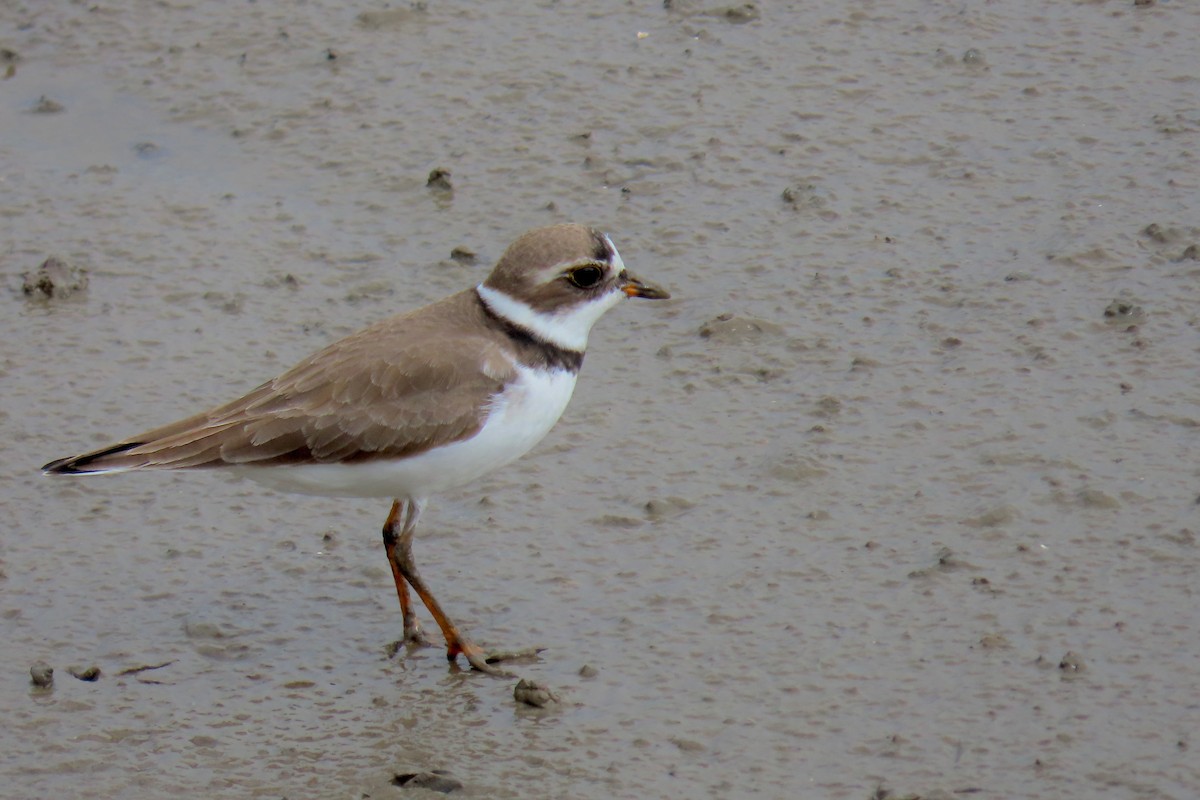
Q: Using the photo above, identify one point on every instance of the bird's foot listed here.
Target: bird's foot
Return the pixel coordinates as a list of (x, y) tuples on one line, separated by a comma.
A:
[(485, 661), (524, 654), (415, 637)]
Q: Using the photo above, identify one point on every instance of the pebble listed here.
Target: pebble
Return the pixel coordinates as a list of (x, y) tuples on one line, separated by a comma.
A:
[(1071, 662), (439, 178), (89, 674), (435, 780), (42, 675), (533, 693), (55, 278), (734, 329), (659, 508), (45, 105)]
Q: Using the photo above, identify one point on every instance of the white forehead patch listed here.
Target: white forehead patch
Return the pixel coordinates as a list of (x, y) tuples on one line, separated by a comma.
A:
[(617, 262)]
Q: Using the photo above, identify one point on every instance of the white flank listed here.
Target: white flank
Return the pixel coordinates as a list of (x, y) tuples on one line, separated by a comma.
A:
[(519, 418), (568, 328)]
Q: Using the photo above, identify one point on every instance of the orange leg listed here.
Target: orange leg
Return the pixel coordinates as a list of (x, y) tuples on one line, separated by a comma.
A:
[(412, 629), (404, 570)]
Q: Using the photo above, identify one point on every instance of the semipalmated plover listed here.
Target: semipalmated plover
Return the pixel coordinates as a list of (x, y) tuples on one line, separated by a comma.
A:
[(413, 405)]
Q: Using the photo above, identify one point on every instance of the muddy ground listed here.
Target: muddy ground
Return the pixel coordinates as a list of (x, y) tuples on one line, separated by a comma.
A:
[(897, 495)]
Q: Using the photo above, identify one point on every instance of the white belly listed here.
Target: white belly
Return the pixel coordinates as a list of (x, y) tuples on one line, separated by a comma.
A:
[(519, 419)]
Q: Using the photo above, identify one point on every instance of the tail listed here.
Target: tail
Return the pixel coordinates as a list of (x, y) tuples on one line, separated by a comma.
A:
[(93, 463)]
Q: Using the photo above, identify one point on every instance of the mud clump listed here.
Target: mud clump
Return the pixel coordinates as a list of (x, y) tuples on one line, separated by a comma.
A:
[(45, 105), (41, 675), (439, 180), (734, 329), (1071, 663), (660, 508), (437, 780), (55, 279), (1123, 311), (533, 693), (90, 674)]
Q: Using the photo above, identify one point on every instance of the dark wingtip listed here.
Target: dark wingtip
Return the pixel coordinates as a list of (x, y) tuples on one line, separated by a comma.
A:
[(78, 465), (60, 467)]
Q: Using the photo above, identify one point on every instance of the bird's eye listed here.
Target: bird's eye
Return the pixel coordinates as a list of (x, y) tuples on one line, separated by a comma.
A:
[(585, 277)]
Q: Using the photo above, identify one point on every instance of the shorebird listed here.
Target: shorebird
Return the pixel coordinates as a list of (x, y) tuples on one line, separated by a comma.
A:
[(413, 405)]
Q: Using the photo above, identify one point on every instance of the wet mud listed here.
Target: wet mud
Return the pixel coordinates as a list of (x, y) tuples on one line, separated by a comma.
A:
[(896, 497)]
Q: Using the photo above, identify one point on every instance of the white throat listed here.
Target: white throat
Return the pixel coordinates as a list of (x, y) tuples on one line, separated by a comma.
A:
[(568, 329)]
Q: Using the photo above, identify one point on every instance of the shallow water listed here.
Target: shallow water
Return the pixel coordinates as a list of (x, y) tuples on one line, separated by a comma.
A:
[(930, 525)]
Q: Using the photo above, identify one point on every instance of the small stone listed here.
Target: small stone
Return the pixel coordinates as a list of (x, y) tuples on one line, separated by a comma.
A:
[(1122, 311), (588, 671), (391, 18), (739, 14), (1094, 498), (42, 675), (435, 780), (993, 517), (439, 178), (795, 467), (286, 280), (533, 693), (660, 508), (55, 278), (463, 255), (733, 328), (828, 406), (89, 674), (1072, 662), (45, 105), (946, 561), (1156, 232), (687, 745), (618, 521), (809, 197), (202, 629)]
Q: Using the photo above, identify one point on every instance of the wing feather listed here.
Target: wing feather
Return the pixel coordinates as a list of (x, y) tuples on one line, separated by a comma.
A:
[(395, 388)]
